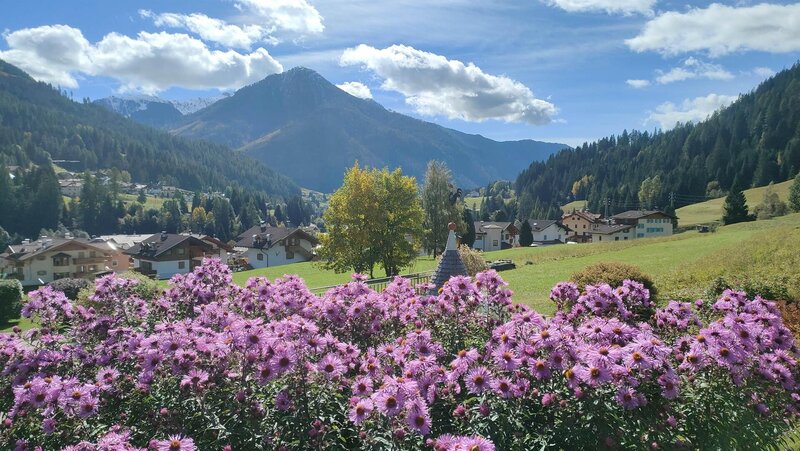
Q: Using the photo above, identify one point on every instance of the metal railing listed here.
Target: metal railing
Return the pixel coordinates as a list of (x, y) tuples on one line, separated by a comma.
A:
[(380, 284)]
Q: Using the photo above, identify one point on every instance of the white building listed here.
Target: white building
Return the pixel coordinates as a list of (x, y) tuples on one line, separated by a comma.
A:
[(548, 230), (648, 223), (603, 233), (493, 236), (267, 246), (48, 259)]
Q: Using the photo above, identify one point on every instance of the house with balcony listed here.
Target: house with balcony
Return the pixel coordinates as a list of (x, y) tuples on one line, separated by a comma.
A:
[(47, 259), (265, 246), (163, 255), (648, 223)]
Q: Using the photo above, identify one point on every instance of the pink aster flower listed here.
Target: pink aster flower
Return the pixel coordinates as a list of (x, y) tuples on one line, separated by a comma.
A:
[(331, 366), (361, 410), (478, 380), (175, 443), (418, 418)]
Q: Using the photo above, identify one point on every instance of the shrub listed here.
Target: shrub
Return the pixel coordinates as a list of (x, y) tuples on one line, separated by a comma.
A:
[(146, 288), (212, 365), (473, 260), (769, 286), (612, 273), (70, 287), (10, 299)]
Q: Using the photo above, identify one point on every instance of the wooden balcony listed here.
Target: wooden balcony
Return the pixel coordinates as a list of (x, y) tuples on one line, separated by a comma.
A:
[(90, 260)]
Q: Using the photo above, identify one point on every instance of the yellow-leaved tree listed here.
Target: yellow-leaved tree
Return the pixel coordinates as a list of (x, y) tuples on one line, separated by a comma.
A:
[(374, 218)]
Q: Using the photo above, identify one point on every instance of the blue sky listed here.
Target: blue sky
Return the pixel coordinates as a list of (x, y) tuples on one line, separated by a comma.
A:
[(558, 70)]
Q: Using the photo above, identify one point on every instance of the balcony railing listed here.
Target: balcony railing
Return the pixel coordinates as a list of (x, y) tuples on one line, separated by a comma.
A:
[(89, 260)]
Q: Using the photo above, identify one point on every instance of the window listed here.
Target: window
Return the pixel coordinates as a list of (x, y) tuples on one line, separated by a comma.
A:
[(625, 238), (93, 254), (92, 268), (41, 273), (181, 265), (81, 254), (260, 257), (113, 263), (640, 235), (545, 237), (616, 238), (495, 243), (61, 260), (599, 238), (180, 251), (289, 255), (60, 275)]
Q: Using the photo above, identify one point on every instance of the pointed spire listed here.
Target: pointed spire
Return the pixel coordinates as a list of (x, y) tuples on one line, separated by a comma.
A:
[(450, 265)]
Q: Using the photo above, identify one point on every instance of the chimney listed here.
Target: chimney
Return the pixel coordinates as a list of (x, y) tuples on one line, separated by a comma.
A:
[(263, 226), (163, 235)]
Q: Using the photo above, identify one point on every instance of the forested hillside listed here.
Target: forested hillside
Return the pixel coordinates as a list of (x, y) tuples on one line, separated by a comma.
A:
[(754, 141), (38, 123)]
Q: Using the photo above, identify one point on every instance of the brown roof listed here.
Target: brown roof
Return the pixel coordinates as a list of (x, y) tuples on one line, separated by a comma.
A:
[(22, 252), (264, 237), (587, 215), (159, 243), (608, 229), (639, 214)]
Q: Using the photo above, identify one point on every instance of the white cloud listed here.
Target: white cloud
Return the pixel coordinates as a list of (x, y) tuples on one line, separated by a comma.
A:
[(356, 89), (211, 29), (626, 7), (668, 114), (694, 68), (435, 85), (50, 53), (296, 16), (638, 84), (763, 72), (57, 53), (721, 29)]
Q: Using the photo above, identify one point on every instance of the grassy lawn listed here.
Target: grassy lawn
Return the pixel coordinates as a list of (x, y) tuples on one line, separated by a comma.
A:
[(473, 203), (574, 205), (151, 202), (317, 277), (671, 261), (711, 210)]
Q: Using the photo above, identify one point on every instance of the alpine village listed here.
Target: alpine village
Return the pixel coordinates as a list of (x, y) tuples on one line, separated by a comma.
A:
[(446, 226)]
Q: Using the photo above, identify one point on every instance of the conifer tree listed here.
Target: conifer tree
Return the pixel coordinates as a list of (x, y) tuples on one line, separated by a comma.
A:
[(794, 194), (525, 233), (735, 209), (468, 238)]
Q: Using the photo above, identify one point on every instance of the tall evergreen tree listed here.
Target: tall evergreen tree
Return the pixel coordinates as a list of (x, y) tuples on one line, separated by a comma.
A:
[(469, 236), (525, 233), (735, 209), (794, 194)]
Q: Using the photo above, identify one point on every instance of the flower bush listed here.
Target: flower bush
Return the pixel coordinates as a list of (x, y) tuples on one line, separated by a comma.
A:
[(211, 365)]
